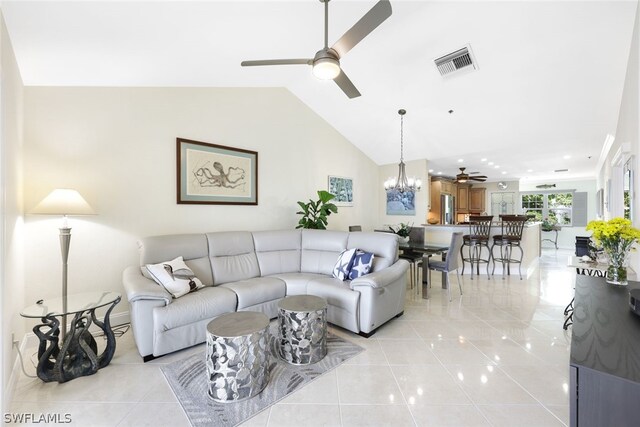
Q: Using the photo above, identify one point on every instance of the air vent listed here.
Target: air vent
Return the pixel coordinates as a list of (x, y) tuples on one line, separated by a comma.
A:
[(454, 61), (561, 170)]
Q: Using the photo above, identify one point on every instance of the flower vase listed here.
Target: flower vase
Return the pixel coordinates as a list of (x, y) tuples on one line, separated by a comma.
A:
[(617, 270)]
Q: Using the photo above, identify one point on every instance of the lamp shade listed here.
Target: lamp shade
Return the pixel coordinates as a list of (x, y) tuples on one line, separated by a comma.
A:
[(63, 201)]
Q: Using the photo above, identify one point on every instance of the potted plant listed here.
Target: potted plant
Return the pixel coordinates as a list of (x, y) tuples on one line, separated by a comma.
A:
[(402, 230), (315, 213), (616, 237), (549, 224)]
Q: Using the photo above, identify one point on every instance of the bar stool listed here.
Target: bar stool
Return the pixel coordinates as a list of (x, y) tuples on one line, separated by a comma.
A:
[(478, 237), (512, 226)]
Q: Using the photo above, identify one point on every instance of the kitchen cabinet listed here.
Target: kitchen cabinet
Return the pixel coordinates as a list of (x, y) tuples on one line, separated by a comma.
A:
[(476, 200), (438, 188), (463, 198)]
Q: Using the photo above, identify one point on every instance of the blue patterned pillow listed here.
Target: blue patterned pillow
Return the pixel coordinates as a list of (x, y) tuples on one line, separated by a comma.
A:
[(362, 263), (343, 265)]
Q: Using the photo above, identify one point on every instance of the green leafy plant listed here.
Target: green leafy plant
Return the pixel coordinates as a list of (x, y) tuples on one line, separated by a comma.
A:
[(315, 213), (402, 229)]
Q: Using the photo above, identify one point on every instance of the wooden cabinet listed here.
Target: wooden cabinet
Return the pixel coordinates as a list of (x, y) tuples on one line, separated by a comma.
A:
[(448, 188), (462, 200), (476, 200)]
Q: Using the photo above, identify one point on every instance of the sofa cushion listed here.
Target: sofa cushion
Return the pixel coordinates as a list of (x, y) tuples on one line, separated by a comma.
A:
[(320, 249), (257, 290), (175, 277), (336, 292), (296, 283), (278, 251), (192, 248), (232, 256), (383, 245), (207, 303)]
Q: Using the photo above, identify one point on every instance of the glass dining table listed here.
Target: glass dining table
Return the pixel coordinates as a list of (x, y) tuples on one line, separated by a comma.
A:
[(428, 250)]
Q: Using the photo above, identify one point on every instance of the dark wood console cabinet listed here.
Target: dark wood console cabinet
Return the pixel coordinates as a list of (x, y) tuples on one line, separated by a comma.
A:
[(605, 356)]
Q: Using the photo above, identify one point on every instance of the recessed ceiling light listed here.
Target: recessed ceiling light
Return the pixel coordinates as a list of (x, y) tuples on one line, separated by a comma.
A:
[(439, 173), (490, 163), (430, 170), (504, 172), (460, 160), (529, 170), (497, 167), (483, 159), (566, 157)]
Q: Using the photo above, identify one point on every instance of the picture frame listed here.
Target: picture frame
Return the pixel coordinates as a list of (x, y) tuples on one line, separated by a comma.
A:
[(342, 188), (215, 174), (401, 203)]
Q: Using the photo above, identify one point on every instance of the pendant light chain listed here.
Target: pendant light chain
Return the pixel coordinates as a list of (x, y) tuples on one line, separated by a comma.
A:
[(402, 183), (401, 137)]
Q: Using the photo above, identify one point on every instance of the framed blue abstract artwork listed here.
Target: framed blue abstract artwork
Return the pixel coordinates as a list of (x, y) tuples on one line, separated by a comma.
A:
[(342, 188), (401, 203)]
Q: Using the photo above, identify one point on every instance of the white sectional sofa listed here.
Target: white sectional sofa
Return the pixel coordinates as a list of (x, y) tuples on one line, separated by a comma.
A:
[(252, 271)]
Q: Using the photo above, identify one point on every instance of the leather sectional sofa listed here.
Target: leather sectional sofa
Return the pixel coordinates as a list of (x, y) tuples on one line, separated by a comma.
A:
[(253, 271)]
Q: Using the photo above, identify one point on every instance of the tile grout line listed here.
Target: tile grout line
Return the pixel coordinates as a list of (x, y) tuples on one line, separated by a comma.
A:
[(406, 404), (456, 383)]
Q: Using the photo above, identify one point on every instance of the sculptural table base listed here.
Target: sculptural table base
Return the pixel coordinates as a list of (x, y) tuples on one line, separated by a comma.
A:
[(78, 355)]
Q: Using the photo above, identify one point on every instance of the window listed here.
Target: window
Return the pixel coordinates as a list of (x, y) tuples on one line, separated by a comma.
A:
[(533, 204), (558, 207)]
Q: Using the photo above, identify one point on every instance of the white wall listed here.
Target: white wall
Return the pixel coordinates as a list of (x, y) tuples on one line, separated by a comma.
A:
[(627, 133), (11, 257), (567, 236), (117, 147), (417, 169)]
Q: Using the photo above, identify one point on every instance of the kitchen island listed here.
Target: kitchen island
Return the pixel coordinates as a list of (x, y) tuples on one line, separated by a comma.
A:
[(441, 234)]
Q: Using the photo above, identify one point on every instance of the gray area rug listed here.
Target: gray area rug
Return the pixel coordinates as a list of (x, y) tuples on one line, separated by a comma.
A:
[(188, 379)]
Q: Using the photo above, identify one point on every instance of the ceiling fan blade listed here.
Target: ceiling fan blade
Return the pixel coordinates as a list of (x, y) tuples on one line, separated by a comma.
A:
[(345, 84), (301, 61), (478, 178), (369, 22)]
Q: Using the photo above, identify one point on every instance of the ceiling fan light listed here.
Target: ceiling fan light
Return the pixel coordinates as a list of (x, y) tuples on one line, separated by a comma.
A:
[(326, 68)]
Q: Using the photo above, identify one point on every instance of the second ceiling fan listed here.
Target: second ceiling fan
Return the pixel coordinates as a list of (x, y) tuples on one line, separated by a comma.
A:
[(326, 62), (465, 177)]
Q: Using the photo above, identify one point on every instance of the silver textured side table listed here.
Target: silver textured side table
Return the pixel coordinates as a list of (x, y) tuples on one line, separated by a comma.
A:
[(302, 329), (237, 356)]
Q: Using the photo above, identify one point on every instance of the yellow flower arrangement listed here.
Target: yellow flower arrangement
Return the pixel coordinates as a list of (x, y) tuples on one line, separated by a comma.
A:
[(616, 237)]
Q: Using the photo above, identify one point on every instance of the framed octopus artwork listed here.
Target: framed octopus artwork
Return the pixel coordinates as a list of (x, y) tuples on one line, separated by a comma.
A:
[(215, 174)]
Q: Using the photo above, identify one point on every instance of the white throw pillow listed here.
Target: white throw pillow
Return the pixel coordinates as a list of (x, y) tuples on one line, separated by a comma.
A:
[(343, 265), (175, 277)]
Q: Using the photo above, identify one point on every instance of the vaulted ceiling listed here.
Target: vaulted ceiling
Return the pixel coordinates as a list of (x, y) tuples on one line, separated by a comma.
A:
[(546, 93)]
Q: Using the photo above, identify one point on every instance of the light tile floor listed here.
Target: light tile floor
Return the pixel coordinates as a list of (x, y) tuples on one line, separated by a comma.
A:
[(497, 356)]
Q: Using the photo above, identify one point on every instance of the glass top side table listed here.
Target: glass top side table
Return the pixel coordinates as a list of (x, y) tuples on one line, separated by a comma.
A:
[(77, 356)]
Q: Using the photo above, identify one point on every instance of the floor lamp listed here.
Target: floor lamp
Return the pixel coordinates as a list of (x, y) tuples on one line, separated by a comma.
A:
[(64, 202)]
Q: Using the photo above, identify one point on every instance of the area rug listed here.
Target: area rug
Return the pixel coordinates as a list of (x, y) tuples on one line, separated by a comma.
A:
[(188, 379)]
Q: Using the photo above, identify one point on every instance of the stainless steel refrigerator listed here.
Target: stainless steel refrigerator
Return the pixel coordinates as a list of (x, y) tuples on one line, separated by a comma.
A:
[(447, 209)]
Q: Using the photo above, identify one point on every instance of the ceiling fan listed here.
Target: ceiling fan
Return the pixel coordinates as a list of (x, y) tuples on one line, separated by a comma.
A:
[(326, 62), (464, 177)]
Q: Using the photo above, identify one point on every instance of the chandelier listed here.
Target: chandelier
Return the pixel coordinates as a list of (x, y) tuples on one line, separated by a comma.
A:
[(402, 183)]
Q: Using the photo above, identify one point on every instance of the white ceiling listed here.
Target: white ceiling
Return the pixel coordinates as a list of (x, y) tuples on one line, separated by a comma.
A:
[(549, 82)]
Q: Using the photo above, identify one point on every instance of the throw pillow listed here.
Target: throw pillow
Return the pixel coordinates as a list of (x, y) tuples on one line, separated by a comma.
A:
[(343, 265), (175, 277), (362, 263)]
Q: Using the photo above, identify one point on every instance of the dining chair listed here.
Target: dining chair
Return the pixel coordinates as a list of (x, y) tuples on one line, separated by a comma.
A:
[(416, 235), (450, 264)]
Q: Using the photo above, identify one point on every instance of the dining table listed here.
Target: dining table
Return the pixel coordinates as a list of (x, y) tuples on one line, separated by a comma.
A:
[(428, 250)]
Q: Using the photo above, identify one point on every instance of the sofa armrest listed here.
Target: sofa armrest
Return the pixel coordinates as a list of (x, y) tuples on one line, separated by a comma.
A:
[(139, 287), (384, 277)]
